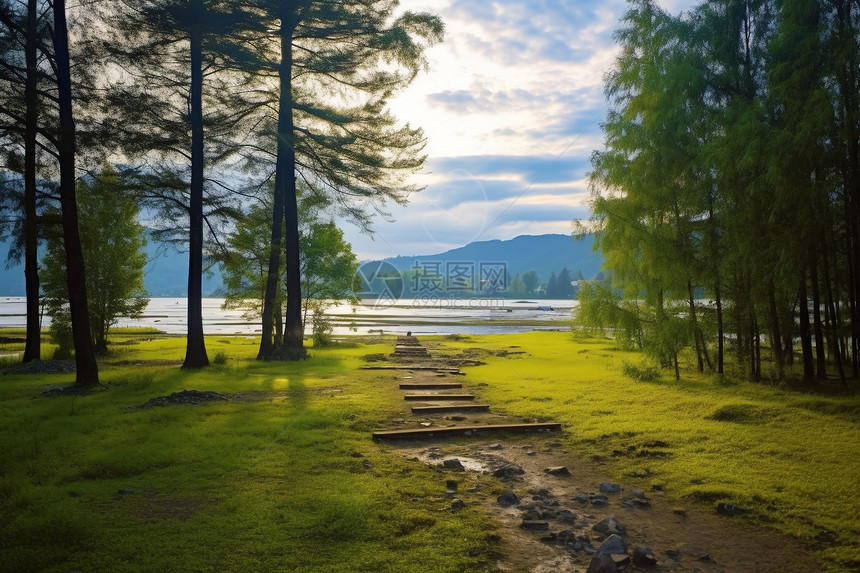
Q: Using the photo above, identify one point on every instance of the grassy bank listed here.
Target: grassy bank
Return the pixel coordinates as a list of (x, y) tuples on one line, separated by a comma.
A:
[(791, 458), (284, 478)]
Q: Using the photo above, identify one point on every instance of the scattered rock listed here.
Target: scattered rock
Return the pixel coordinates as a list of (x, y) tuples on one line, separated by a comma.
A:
[(638, 493), (550, 539), (620, 559), (457, 503), (643, 503), (186, 398), (495, 446), (532, 514), (531, 453), (599, 500), (508, 470), (613, 545), (610, 526), (451, 486), (542, 497), (602, 564), (508, 499), (560, 471), (581, 498), (729, 509), (655, 444), (534, 525), (43, 367), (607, 487), (643, 556), (566, 516), (453, 464), (679, 511)]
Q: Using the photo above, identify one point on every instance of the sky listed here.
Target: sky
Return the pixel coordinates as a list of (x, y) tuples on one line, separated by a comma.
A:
[(511, 106)]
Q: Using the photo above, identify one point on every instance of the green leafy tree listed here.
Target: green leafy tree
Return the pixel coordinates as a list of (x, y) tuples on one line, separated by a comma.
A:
[(112, 244), (552, 286), (328, 264), (517, 286), (723, 173), (531, 280), (563, 287)]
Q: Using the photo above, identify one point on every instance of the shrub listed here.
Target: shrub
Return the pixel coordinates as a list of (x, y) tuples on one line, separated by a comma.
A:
[(640, 373)]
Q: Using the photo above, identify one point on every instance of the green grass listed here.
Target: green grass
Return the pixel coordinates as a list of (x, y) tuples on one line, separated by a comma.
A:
[(290, 482), (792, 458)]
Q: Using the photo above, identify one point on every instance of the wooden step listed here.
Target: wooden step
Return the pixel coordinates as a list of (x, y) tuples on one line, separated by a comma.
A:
[(430, 385), (442, 369), (433, 397), (427, 433), (450, 408)]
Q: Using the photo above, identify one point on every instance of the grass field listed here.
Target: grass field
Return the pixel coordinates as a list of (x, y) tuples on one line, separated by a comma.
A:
[(286, 477), (291, 482), (792, 458)]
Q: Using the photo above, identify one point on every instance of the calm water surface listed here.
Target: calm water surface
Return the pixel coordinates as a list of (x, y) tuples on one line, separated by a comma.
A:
[(442, 316)]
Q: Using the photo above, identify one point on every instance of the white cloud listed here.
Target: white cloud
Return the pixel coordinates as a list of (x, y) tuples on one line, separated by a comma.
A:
[(511, 107)]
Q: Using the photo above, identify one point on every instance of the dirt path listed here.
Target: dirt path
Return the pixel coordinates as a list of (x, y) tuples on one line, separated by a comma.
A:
[(551, 528)]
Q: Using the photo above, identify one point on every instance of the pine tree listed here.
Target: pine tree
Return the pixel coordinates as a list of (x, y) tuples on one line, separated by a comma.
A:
[(338, 64)]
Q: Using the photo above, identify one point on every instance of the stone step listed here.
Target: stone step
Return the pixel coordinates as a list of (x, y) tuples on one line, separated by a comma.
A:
[(428, 433), (433, 397), (430, 385), (441, 369), (450, 408)]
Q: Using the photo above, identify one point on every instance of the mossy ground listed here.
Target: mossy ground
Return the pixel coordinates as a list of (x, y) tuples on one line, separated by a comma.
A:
[(791, 457), (291, 482), (289, 479)]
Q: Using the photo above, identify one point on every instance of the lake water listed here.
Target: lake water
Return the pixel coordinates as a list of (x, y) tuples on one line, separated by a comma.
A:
[(440, 316)]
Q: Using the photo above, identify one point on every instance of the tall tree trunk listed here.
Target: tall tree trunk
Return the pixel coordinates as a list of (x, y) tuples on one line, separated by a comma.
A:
[(720, 328), (293, 335), (195, 350), (775, 338), (32, 348), (87, 370), (818, 326), (834, 322), (698, 338), (805, 333)]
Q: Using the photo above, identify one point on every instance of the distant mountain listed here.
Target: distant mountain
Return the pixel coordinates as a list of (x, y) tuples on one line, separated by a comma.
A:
[(543, 254), (167, 270)]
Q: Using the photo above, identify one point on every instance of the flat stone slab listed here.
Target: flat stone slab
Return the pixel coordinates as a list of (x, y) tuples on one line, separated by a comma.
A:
[(433, 397), (430, 386), (451, 408), (418, 367), (451, 431)]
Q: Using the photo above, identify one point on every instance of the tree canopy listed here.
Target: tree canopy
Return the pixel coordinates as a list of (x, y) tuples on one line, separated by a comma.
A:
[(731, 169)]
